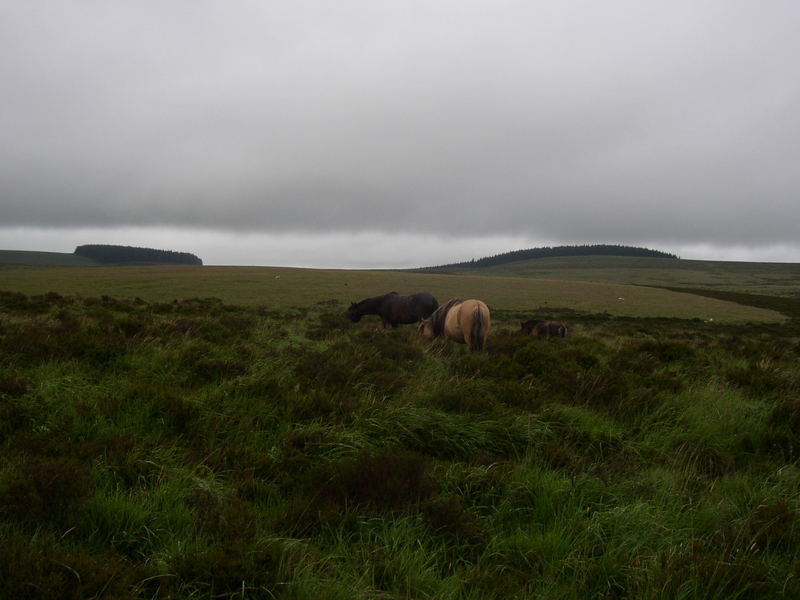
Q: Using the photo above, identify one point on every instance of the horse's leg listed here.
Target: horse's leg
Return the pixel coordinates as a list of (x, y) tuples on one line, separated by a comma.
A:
[(466, 335)]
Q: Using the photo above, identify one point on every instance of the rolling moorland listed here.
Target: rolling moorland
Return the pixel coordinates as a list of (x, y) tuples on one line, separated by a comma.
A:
[(771, 279), (221, 432)]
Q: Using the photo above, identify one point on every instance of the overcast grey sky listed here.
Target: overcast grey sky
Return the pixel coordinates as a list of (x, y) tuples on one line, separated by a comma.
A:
[(374, 133)]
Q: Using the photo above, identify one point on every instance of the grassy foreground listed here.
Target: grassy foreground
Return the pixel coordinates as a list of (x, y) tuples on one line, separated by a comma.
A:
[(201, 449)]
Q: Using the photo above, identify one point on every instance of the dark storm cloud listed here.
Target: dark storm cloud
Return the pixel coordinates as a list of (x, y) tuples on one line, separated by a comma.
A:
[(674, 122)]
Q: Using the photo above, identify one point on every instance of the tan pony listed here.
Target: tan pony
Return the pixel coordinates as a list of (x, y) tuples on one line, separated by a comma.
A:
[(463, 321)]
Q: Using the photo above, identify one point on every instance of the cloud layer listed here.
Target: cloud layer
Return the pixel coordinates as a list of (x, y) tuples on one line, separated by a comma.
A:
[(668, 123)]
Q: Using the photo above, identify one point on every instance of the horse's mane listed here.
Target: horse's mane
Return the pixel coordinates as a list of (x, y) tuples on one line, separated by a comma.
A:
[(372, 302), (438, 316)]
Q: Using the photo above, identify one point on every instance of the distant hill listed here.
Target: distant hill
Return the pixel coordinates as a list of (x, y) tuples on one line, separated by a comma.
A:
[(558, 252), (122, 255)]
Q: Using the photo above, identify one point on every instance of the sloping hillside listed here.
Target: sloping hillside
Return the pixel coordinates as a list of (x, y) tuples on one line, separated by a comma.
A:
[(90, 255), (773, 279), (44, 259)]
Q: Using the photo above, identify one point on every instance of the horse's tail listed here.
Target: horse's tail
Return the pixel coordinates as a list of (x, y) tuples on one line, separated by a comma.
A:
[(477, 329), (562, 330)]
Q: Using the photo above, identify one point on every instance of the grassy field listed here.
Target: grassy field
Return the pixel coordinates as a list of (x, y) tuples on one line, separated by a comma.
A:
[(201, 449), (774, 279), (285, 287)]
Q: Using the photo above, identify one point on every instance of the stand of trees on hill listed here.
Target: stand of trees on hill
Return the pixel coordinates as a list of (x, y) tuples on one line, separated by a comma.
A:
[(128, 255), (560, 251)]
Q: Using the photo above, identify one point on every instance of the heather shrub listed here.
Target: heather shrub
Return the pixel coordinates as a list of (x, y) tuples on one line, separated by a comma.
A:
[(12, 384), (127, 458), (464, 396), (321, 404), (329, 325), (225, 568), (381, 480), (204, 363), (773, 525), (16, 411), (463, 532), (43, 570), (344, 366), (45, 490), (760, 378)]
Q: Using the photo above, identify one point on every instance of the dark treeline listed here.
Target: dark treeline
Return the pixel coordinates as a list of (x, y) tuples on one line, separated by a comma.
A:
[(560, 251), (117, 255)]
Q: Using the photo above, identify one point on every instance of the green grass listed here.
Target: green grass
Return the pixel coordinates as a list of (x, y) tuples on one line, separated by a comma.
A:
[(207, 449), (285, 288)]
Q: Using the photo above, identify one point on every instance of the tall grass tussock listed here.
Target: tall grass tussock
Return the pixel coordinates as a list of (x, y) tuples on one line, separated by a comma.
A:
[(198, 449)]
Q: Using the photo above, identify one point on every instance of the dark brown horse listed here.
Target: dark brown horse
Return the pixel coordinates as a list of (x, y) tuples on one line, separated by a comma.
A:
[(394, 308), (463, 321), (547, 329)]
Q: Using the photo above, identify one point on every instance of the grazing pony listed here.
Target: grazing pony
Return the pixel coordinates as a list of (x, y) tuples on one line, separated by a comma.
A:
[(547, 329), (394, 308), (463, 321)]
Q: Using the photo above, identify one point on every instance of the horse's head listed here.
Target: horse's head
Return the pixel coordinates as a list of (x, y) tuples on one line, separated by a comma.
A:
[(425, 328), (530, 326), (353, 313)]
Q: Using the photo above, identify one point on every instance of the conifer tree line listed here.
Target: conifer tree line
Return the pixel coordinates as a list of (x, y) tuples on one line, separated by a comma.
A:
[(562, 251), (129, 255)]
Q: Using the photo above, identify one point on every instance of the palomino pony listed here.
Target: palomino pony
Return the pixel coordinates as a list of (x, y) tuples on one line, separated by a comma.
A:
[(463, 321), (547, 329), (394, 308)]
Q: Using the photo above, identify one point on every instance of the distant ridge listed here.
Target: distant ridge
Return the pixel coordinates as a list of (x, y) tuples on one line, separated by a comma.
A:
[(559, 251)]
